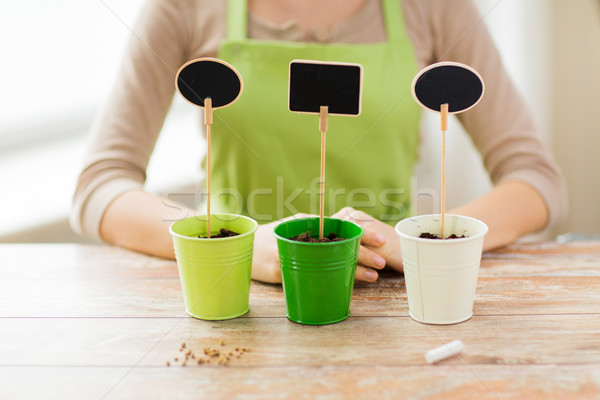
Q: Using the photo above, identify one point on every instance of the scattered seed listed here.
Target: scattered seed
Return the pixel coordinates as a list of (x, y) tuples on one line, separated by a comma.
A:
[(223, 361), (220, 356)]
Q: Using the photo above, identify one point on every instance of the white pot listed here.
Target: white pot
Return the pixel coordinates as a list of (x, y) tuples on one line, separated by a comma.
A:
[(441, 275)]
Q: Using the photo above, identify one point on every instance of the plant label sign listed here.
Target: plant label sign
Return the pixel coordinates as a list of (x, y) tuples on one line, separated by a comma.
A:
[(452, 83), (313, 84), (204, 78), (324, 88), (447, 88), (209, 83)]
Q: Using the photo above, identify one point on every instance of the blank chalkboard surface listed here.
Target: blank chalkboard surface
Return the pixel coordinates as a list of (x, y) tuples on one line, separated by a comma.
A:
[(336, 85), (455, 84), (209, 77)]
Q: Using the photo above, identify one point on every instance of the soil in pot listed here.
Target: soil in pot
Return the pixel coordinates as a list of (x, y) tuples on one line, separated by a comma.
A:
[(306, 237), (429, 235), (223, 233)]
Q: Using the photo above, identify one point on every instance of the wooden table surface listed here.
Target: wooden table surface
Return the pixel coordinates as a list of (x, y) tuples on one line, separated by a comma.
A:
[(95, 322)]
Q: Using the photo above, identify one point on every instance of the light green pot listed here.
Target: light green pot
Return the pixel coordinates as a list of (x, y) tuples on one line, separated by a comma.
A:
[(214, 273)]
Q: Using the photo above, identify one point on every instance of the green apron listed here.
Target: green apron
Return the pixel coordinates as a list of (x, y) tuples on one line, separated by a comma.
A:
[(266, 159)]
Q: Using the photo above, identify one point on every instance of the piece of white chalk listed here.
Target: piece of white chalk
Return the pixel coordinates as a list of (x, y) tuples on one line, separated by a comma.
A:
[(444, 351)]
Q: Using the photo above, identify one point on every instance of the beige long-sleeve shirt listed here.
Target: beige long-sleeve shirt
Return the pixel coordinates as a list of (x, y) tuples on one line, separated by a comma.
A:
[(171, 32)]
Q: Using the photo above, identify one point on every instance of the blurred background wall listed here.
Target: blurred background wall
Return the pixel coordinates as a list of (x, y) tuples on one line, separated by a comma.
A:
[(576, 107)]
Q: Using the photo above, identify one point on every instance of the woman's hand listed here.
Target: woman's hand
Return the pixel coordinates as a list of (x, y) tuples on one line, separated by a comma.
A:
[(265, 261), (375, 244), (380, 242)]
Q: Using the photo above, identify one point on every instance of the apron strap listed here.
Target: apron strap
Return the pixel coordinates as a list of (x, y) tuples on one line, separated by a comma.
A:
[(394, 20), (237, 19)]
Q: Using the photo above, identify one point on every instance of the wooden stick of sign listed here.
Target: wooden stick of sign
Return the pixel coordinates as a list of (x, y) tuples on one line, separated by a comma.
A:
[(208, 120), (444, 127), (323, 122)]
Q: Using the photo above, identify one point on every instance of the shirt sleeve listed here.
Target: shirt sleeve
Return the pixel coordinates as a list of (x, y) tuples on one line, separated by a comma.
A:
[(501, 125), (125, 131)]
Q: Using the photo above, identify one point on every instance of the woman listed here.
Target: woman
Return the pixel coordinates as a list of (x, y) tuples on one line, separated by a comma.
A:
[(260, 149)]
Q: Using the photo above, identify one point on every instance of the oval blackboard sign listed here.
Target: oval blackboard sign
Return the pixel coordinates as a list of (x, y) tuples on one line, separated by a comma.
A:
[(452, 83), (201, 78)]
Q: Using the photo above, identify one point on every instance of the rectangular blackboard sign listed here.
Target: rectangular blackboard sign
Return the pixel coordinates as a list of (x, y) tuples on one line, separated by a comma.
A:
[(336, 85)]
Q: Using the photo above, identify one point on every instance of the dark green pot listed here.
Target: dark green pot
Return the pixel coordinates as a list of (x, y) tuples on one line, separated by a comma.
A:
[(318, 278)]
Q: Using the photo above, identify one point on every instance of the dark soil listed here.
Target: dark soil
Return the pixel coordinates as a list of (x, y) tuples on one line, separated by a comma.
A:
[(306, 237), (428, 235), (223, 233)]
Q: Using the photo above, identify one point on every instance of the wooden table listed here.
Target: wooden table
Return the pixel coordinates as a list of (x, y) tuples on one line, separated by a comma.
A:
[(94, 322)]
